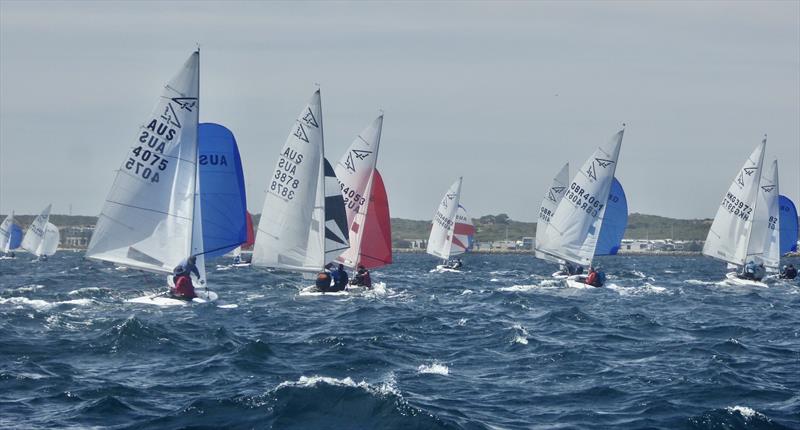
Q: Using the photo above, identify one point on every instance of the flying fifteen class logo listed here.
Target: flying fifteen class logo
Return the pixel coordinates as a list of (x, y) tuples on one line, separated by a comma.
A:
[(309, 119), (360, 154), (554, 191), (170, 116), (768, 188), (602, 162), (749, 170), (300, 133), (186, 103)]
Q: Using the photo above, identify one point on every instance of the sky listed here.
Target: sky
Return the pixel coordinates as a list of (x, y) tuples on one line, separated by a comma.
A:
[(501, 93)]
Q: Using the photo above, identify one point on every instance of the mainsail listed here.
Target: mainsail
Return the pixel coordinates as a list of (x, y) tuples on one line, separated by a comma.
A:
[(36, 232), (444, 220), (223, 199), (552, 197), (355, 172), (152, 218), (49, 243), (788, 225), (574, 227), (730, 233), (295, 231), (764, 244)]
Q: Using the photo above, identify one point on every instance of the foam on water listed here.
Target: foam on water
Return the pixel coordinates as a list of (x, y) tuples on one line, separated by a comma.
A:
[(434, 368)]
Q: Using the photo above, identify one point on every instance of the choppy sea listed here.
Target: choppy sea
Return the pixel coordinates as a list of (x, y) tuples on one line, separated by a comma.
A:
[(500, 346)]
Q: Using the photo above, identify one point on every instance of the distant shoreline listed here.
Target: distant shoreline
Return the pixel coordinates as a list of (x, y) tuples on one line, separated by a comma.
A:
[(527, 251)]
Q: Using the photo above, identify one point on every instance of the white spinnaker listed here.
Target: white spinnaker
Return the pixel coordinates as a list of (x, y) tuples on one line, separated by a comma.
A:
[(444, 219), (5, 232), (146, 222), (50, 242), (575, 225), (36, 231), (354, 172), (291, 232), (552, 197), (729, 235), (764, 244)]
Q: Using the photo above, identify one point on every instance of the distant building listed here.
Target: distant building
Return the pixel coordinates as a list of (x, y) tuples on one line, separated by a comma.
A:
[(76, 237), (527, 242)]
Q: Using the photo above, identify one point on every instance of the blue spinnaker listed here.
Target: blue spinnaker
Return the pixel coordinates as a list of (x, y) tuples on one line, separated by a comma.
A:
[(222, 195), (615, 220), (788, 220), (15, 236)]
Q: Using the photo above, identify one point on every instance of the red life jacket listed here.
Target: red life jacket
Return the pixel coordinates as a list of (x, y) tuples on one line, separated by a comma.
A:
[(184, 288), (592, 278)]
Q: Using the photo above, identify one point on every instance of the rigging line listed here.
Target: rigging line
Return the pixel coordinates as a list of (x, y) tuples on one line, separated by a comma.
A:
[(148, 210)]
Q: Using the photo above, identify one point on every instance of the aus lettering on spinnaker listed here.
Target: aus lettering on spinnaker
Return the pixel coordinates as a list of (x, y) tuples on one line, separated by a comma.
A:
[(284, 182), (147, 159), (583, 200), (737, 207), (352, 200)]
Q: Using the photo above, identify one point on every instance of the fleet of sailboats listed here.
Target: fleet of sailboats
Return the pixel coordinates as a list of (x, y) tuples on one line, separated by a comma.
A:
[(180, 193)]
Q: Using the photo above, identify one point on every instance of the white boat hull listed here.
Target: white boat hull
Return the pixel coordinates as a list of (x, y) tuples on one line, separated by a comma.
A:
[(163, 299), (732, 278), (444, 269)]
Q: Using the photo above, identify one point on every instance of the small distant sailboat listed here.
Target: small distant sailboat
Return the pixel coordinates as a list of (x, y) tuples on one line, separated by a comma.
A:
[(572, 217), (746, 227), (10, 237), (441, 239), (226, 223), (365, 201), (152, 218), (303, 223), (42, 237)]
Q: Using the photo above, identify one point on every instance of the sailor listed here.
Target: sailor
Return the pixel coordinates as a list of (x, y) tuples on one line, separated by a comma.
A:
[(592, 278), (237, 259), (362, 278), (183, 288), (749, 270), (12, 255), (788, 272), (456, 264), (601, 277), (760, 272), (323, 282), (340, 279), (189, 266)]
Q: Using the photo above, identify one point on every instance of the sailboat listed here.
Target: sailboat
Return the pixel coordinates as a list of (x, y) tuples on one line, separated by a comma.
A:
[(303, 223), (746, 227), (152, 218), (42, 237), (226, 223), (10, 237), (572, 230), (440, 241), (366, 202)]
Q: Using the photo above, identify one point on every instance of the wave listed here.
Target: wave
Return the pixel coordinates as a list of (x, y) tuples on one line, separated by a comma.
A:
[(734, 417), (434, 368), (647, 288), (42, 305)]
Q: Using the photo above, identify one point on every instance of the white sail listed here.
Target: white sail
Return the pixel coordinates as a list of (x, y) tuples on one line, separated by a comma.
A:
[(729, 235), (5, 233), (575, 225), (50, 241), (444, 219), (552, 197), (291, 232), (36, 231), (148, 220), (354, 171), (764, 244)]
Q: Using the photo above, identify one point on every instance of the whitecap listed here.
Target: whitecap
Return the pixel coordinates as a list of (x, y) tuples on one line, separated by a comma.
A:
[(384, 389), (520, 340), (647, 288), (744, 411), (85, 290), (433, 368), (462, 322), (41, 305), (696, 282), (466, 292)]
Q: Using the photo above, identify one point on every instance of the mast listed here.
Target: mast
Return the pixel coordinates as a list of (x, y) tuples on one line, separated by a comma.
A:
[(755, 203)]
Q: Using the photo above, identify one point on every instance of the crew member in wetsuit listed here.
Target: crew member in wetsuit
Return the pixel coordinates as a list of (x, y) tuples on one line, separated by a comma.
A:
[(456, 264), (789, 272), (189, 266), (362, 278), (596, 277), (323, 282), (749, 271), (183, 288), (760, 272), (340, 279)]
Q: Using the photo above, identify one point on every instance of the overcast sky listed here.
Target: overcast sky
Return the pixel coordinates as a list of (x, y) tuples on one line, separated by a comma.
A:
[(501, 93)]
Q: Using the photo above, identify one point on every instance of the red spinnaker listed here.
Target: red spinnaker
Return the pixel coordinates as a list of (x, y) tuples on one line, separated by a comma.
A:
[(251, 237), (376, 244)]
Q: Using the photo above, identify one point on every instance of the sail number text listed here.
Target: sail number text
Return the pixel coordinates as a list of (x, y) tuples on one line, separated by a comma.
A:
[(352, 200), (583, 200), (736, 207), (284, 182)]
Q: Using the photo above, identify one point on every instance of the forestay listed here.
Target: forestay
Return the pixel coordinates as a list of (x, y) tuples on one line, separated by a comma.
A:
[(788, 225), (575, 225), (355, 173), (147, 220), (729, 235), (615, 220), (764, 244), (222, 197), (552, 197), (36, 232), (292, 231), (440, 240)]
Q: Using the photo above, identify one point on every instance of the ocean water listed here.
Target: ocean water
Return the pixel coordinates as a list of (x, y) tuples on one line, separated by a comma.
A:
[(499, 346)]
